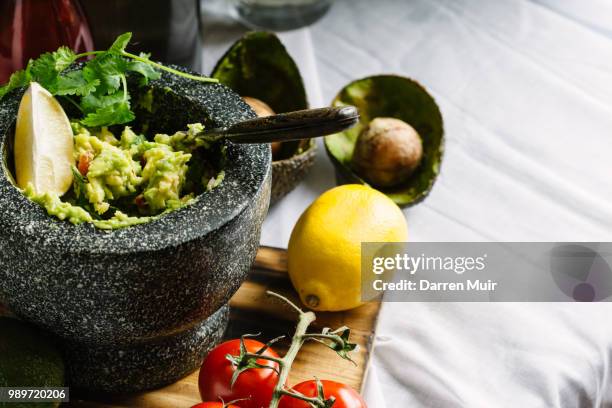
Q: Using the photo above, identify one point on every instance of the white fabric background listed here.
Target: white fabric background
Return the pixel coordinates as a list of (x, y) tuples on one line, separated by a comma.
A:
[(525, 88)]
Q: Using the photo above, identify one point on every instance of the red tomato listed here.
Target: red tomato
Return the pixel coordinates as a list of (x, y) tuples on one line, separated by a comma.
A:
[(346, 397), (255, 385), (213, 405), (84, 162), (140, 201)]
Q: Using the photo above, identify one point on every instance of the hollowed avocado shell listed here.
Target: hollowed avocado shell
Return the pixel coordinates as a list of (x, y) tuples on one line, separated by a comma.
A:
[(401, 98), (258, 65), (28, 358)]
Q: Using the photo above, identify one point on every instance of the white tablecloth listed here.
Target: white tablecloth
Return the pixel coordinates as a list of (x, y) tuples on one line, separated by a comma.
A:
[(525, 88)]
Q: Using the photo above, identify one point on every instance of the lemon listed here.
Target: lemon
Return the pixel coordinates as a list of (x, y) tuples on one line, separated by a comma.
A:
[(43, 143), (325, 245)]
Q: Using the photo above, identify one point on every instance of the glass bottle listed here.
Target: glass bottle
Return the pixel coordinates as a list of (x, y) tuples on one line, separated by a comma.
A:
[(29, 28), (168, 29)]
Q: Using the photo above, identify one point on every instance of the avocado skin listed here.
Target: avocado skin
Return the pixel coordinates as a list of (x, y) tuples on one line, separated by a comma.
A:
[(259, 66), (28, 358), (288, 173), (395, 97)]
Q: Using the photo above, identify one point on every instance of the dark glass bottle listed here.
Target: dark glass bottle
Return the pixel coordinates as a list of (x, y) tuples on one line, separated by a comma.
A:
[(30, 27), (168, 29)]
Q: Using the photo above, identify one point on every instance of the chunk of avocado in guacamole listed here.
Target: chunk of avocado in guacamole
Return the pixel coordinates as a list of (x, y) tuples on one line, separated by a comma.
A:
[(124, 180)]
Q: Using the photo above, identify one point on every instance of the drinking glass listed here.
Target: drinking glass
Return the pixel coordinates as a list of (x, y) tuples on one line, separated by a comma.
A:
[(29, 28), (281, 15)]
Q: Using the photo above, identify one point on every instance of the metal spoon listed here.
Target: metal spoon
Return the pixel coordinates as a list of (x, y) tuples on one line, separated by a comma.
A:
[(304, 124)]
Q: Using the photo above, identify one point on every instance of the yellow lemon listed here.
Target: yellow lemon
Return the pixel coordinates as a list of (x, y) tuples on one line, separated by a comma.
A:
[(325, 245), (43, 143)]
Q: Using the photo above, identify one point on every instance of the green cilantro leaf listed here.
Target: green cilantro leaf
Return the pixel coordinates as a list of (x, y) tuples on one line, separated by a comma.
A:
[(108, 69), (91, 102), (120, 43), (74, 83), (47, 68), (17, 80), (80, 186), (147, 71), (64, 57), (99, 88), (43, 71), (115, 114)]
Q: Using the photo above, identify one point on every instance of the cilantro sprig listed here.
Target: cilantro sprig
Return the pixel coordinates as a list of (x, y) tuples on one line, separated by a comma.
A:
[(99, 89)]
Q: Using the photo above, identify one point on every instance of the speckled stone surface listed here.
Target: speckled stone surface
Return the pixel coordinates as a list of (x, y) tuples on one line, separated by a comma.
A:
[(137, 288), (128, 367)]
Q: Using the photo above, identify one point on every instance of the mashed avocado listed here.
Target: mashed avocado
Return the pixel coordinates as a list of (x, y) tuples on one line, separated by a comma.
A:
[(125, 181)]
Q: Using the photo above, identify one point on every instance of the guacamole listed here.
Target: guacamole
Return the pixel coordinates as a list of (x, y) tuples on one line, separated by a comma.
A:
[(127, 179)]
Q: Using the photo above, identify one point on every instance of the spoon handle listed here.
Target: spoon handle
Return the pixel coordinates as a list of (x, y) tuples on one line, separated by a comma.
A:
[(284, 127)]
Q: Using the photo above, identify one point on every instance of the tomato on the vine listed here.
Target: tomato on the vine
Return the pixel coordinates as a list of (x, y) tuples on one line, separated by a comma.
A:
[(254, 387), (346, 397), (214, 405)]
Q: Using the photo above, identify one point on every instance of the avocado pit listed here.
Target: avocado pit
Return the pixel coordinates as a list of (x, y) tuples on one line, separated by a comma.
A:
[(387, 152)]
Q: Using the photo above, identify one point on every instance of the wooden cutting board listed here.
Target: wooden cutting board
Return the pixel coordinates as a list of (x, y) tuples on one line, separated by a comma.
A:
[(252, 311)]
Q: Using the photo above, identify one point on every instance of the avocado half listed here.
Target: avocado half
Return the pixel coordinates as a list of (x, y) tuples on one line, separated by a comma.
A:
[(396, 97), (28, 358), (259, 66)]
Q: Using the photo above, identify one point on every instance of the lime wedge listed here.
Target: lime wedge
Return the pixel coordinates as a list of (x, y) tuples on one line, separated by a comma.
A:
[(43, 143)]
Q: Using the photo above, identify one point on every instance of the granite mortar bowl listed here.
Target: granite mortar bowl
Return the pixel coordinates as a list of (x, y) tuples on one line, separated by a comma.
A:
[(138, 308)]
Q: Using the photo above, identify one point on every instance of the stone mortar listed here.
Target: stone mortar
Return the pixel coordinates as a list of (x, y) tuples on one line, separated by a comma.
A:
[(137, 308)]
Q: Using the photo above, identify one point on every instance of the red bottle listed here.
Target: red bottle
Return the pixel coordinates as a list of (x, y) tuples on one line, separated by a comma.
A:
[(29, 28)]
